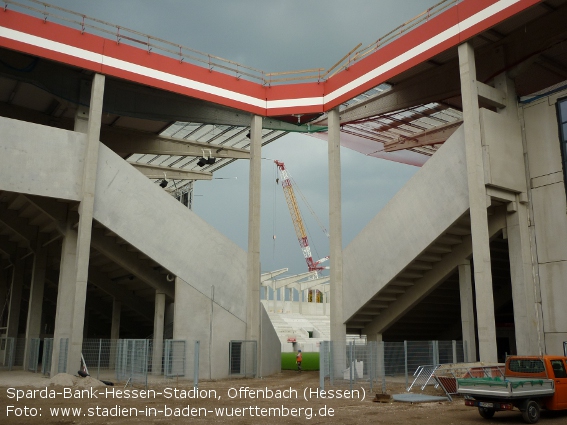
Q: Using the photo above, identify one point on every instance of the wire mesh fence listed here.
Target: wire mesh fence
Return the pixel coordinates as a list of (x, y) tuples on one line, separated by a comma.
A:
[(122, 360), (7, 352), (369, 363), (33, 354), (132, 361), (63, 350), (47, 356)]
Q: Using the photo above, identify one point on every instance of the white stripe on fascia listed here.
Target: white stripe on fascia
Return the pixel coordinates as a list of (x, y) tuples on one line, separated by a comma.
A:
[(127, 66), (288, 103), (50, 45), (486, 13), (421, 48), (183, 82)]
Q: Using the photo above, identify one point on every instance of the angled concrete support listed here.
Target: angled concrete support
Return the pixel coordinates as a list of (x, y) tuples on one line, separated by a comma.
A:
[(338, 328), (86, 207), (477, 201), (35, 304), (253, 289), (17, 285), (159, 317), (467, 311)]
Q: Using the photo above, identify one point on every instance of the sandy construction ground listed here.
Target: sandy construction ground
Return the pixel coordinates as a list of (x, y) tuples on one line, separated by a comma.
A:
[(287, 398)]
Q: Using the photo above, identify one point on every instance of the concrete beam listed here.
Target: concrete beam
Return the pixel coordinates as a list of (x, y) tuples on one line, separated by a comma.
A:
[(280, 283), (433, 85), (425, 138), (309, 284), (130, 261), (270, 275), (490, 96), (159, 172), (132, 141)]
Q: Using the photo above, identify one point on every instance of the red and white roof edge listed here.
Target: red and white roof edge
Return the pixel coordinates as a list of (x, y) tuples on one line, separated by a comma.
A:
[(53, 41)]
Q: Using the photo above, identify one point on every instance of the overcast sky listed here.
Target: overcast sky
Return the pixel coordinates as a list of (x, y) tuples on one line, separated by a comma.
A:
[(278, 36)]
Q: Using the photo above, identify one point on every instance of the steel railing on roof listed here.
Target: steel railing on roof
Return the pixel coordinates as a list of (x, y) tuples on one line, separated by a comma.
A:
[(186, 54)]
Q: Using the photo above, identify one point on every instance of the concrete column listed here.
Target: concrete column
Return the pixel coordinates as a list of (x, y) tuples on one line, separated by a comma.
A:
[(159, 317), (35, 304), (114, 330), (525, 314), (15, 299), (253, 289), (116, 312), (467, 310), (381, 370), (338, 328), (86, 217), (478, 202), (3, 298), (65, 295)]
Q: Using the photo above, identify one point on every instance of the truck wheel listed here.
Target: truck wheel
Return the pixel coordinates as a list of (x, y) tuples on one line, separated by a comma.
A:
[(486, 413), (531, 413)]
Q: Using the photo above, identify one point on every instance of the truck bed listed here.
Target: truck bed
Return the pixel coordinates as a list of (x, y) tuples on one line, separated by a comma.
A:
[(509, 388)]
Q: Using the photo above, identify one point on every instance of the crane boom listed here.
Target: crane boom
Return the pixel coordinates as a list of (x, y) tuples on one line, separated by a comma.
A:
[(297, 220)]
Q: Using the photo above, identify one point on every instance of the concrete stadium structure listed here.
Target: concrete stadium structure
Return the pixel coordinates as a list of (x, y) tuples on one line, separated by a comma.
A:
[(473, 247)]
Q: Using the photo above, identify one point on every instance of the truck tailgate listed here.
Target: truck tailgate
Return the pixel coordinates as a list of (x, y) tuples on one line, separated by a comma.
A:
[(506, 388)]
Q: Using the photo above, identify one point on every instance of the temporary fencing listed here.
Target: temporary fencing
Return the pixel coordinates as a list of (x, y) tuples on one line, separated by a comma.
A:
[(33, 354), (123, 360), (7, 352), (63, 351), (46, 356), (369, 363), (132, 360)]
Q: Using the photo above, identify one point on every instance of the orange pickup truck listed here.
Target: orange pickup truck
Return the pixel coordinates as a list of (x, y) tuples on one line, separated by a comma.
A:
[(529, 383)]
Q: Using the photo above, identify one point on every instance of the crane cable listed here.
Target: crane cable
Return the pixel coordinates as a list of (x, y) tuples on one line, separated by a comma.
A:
[(276, 181)]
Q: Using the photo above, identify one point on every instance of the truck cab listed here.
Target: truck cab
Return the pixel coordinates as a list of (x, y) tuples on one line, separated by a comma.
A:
[(530, 383)]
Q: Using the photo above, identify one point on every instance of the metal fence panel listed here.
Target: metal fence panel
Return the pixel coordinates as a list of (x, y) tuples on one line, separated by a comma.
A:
[(62, 361), (33, 354), (99, 356), (7, 352), (47, 354), (132, 360), (368, 363), (174, 359)]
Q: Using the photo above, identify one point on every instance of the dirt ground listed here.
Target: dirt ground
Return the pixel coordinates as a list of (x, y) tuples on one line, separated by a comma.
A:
[(162, 406)]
